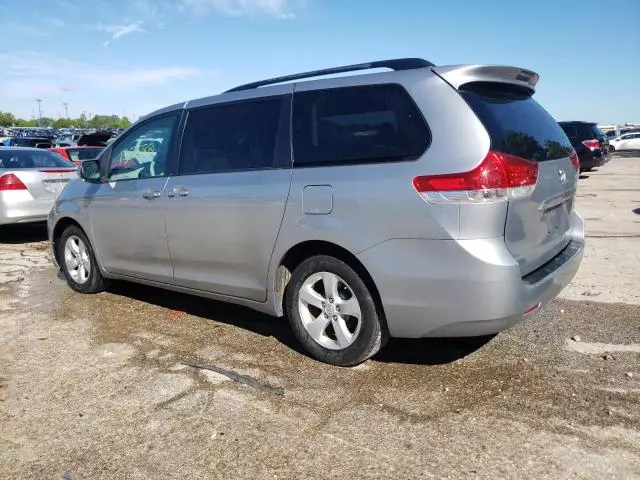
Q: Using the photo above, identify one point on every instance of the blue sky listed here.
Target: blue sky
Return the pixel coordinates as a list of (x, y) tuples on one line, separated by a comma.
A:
[(133, 56)]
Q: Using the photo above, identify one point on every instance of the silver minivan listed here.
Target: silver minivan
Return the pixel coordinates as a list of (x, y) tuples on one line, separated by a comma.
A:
[(423, 201)]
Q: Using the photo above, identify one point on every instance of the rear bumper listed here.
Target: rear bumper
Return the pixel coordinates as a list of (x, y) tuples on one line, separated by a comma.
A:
[(592, 160), (449, 288), (20, 207)]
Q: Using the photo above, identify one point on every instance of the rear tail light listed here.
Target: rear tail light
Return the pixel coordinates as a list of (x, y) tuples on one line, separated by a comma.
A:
[(11, 182), (498, 178), (591, 144), (575, 161)]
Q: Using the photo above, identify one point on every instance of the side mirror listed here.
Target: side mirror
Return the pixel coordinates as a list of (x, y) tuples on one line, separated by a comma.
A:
[(90, 171)]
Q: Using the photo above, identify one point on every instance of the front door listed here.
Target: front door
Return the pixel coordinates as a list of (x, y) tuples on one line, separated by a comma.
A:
[(127, 218), (224, 209)]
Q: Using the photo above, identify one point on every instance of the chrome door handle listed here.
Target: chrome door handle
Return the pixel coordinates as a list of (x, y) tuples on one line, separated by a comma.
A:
[(151, 194), (178, 192)]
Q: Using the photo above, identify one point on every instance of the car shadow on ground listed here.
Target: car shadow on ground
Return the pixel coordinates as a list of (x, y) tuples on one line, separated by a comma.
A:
[(23, 233), (430, 351), (423, 351), (636, 211), (221, 312), (583, 176)]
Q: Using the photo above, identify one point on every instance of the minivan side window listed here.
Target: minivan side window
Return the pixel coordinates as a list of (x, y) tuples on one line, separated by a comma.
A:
[(232, 137), (144, 152), (363, 124)]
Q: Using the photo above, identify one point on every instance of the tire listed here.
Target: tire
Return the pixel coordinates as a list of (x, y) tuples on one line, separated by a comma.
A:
[(93, 281), (612, 149), (313, 314)]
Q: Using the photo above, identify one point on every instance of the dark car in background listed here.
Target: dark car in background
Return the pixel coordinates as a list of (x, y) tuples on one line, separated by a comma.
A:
[(589, 142), (37, 142), (96, 139)]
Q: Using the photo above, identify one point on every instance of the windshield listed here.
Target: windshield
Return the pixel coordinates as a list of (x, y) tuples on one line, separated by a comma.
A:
[(12, 159)]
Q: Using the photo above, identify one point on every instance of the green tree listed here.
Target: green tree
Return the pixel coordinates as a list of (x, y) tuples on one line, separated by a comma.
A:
[(20, 122), (80, 122), (7, 119), (124, 122), (45, 122), (62, 123)]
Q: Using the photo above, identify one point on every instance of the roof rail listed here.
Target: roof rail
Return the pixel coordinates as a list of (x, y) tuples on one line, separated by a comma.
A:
[(395, 64)]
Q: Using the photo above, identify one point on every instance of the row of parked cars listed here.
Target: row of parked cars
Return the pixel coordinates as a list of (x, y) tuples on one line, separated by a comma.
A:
[(347, 204)]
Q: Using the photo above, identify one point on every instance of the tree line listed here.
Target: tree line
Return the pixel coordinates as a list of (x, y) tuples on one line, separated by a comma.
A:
[(7, 119)]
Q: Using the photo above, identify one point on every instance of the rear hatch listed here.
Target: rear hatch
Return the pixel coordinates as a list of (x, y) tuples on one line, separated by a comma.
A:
[(96, 139), (537, 226)]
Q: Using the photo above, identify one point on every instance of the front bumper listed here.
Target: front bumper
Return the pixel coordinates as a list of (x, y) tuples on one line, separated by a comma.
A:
[(450, 288)]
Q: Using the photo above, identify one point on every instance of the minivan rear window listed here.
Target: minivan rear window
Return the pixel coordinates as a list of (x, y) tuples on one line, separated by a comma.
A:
[(516, 123), (364, 124)]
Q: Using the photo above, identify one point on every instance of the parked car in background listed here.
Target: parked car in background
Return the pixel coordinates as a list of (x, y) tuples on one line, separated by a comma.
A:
[(77, 154), (35, 142), (589, 142), (628, 141), (95, 139), (347, 203), (30, 180)]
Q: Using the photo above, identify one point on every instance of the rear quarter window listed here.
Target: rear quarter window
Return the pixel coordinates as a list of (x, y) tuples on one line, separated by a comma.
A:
[(363, 124), (28, 159), (516, 123)]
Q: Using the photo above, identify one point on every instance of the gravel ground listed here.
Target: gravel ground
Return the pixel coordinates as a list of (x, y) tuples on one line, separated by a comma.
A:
[(99, 386)]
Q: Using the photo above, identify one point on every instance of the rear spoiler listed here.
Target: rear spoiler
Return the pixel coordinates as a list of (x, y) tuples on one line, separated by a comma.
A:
[(459, 75)]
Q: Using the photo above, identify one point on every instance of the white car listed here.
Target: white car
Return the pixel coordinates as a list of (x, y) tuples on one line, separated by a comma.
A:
[(628, 141)]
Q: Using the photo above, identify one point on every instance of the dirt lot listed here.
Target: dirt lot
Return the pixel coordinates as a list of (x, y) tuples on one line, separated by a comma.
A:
[(97, 386)]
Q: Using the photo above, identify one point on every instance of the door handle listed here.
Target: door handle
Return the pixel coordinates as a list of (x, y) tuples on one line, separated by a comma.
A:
[(178, 192), (151, 194)]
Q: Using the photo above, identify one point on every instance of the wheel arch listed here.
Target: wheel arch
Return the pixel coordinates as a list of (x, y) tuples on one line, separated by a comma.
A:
[(301, 251), (60, 226)]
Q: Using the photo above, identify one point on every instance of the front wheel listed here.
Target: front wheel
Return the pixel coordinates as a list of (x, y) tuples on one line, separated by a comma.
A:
[(332, 312), (78, 262)]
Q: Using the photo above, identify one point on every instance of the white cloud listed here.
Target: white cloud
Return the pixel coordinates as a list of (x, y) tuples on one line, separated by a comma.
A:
[(275, 8), (119, 31), (30, 74)]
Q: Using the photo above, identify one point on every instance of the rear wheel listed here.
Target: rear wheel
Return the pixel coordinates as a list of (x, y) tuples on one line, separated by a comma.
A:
[(78, 262), (332, 312)]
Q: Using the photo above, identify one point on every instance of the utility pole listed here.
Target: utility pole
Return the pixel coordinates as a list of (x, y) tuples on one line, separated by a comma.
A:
[(66, 109), (39, 100)]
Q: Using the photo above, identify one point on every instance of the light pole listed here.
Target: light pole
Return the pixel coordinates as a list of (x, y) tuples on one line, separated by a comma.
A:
[(39, 100), (66, 109)]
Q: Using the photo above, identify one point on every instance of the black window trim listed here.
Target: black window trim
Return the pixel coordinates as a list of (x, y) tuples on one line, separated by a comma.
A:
[(105, 157), (283, 150), (376, 161)]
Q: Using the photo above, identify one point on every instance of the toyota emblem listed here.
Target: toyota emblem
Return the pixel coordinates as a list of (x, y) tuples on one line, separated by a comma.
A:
[(562, 175)]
